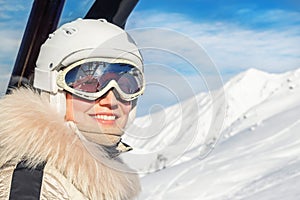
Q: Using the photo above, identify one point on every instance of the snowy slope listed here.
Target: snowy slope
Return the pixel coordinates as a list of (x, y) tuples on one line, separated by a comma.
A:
[(258, 156)]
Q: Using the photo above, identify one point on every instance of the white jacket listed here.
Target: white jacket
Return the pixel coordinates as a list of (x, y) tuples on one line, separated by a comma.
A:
[(30, 129)]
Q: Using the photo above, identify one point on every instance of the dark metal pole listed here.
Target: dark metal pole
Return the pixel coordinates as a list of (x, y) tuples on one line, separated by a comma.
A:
[(43, 19), (114, 11)]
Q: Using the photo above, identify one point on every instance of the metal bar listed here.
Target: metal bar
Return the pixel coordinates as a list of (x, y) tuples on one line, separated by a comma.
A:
[(114, 11), (43, 19), (123, 12)]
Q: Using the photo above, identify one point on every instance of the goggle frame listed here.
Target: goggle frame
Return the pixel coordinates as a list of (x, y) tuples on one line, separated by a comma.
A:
[(61, 83)]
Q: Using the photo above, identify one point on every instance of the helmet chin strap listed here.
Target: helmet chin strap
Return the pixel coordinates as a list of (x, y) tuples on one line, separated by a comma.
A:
[(111, 148), (58, 101), (99, 150), (132, 115)]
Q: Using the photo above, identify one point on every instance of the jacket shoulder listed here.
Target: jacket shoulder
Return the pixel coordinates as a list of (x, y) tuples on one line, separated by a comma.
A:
[(56, 186), (6, 173)]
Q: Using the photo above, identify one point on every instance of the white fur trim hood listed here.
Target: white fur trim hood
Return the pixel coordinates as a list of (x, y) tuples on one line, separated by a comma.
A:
[(31, 129)]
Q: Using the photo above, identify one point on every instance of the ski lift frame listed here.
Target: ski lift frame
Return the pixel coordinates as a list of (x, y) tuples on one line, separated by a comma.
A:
[(43, 20)]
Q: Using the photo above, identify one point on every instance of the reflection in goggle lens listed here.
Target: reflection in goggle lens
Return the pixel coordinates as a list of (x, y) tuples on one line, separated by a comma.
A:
[(92, 77)]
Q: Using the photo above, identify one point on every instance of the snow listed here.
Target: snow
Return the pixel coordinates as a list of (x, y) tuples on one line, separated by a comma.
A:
[(257, 155)]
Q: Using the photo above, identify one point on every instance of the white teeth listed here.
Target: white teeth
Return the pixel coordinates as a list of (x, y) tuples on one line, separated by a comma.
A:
[(105, 117)]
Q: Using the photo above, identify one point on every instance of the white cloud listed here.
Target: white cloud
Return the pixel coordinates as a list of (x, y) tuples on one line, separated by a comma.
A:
[(268, 50), (8, 52), (234, 47), (166, 86), (12, 5), (278, 15), (11, 41), (14, 9), (4, 78), (13, 18)]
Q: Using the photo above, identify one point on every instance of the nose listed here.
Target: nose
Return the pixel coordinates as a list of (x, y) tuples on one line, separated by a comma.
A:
[(109, 99)]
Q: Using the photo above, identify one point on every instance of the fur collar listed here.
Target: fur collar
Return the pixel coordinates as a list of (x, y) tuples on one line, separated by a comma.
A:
[(31, 129)]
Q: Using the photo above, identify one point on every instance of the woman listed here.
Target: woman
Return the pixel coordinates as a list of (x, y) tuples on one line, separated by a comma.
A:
[(63, 142)]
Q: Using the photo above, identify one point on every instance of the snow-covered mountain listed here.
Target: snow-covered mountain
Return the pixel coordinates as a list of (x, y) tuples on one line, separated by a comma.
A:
[(256, 157)]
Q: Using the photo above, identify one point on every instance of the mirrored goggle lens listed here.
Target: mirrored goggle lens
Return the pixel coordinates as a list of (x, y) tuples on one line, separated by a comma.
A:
[(92, 77)]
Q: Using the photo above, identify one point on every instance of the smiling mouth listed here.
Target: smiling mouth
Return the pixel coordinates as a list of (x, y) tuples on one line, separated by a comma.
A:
[(104, 117)]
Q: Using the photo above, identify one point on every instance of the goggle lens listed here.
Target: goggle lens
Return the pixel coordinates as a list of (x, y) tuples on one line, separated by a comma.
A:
[(92, 77)]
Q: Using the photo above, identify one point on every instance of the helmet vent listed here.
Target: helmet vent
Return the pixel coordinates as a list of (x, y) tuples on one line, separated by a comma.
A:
[(102, 20), (69, 31), (51, 35)]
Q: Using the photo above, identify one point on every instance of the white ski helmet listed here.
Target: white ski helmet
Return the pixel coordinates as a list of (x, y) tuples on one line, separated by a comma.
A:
[(78, 40)]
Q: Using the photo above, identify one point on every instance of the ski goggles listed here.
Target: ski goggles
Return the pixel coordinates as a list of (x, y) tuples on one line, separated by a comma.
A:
[(92, 78)]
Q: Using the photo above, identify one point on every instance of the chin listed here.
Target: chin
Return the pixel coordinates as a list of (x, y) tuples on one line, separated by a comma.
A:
[(113, 131)]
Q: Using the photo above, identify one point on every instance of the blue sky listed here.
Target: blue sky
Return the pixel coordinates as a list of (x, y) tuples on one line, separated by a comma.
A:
[(242, 12), (235, 34)]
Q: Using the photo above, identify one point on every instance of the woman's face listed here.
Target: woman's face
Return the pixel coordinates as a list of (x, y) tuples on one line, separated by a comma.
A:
[(101, 121)]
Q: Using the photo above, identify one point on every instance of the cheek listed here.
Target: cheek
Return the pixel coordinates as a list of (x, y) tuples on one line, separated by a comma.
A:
[(75, 107), (81, 106), (126, 108)]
